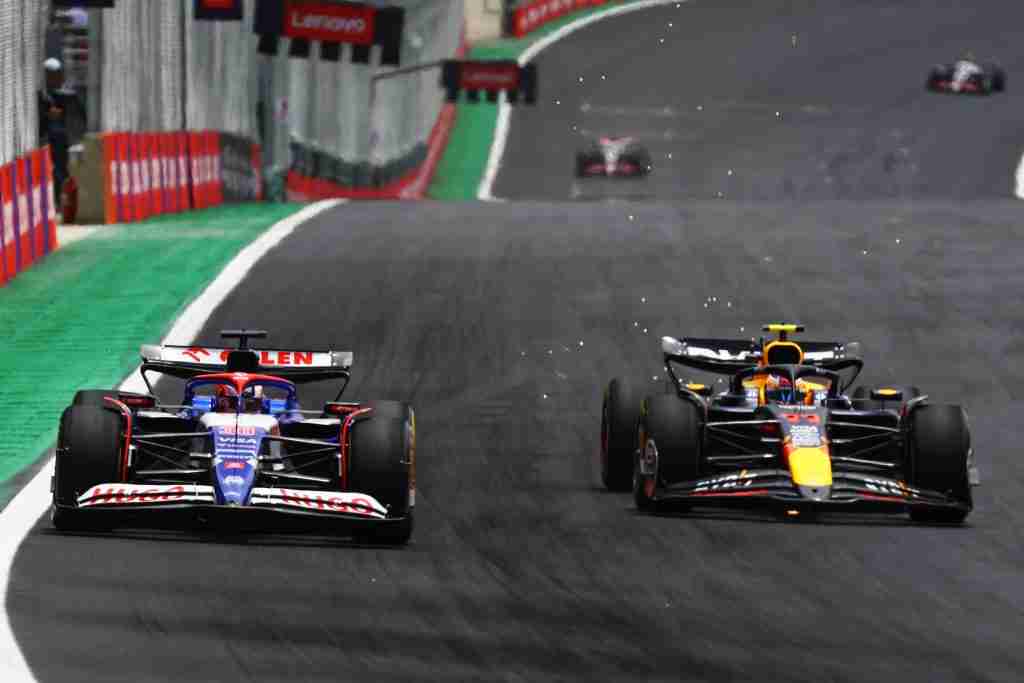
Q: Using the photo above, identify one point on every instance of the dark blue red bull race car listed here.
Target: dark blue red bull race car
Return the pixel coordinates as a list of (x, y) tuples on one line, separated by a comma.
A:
[(237, 453), (786, 435)]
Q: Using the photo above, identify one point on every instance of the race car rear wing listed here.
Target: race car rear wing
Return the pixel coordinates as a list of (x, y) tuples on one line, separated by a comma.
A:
[(299, 366), (729, 356)]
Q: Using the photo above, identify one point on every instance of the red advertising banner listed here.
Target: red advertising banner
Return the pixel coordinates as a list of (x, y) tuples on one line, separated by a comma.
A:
[(22, 221), (6, 226), (34, 162), (530, 16), (48, 197), (329, 23), (489, 75)]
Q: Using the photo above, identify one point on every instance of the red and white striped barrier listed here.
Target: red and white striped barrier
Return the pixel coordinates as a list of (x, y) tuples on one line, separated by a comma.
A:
[(28, 226), (151, 174), (530, 16)]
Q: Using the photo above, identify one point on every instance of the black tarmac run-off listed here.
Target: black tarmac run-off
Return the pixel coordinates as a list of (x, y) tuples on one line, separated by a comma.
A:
[(501, 322)]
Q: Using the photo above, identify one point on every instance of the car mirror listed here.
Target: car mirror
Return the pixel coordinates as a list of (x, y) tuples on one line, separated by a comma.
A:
[(671, 346)]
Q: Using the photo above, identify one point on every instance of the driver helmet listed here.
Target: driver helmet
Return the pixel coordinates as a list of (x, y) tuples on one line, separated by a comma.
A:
[(252, 400), (225, 399), (779, 389)]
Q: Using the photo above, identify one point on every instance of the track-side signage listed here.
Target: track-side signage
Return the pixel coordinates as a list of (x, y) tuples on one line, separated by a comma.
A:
[(329, 23)]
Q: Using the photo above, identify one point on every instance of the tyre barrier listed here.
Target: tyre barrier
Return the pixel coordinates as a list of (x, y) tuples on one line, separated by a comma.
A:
[(28, 225), (316, 175)]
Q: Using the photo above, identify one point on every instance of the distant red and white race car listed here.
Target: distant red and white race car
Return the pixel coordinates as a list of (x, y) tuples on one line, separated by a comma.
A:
[(967, 77), (613, 157)]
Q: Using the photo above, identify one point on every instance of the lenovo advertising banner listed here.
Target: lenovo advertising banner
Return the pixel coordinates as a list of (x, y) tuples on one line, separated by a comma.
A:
[(332, 24), (219, 10), (329, 23), (491, 77)]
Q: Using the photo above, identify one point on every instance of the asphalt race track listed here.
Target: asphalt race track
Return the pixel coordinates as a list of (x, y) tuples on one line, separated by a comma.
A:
[(778, 100), (501, 322)]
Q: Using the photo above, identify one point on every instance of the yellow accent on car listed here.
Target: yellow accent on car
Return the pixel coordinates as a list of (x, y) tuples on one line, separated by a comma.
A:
[(810, 466), (693, 386), (888, 392), (782, 327)]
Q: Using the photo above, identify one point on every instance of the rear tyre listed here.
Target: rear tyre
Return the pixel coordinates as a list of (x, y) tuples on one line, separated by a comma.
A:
[(381, 466), (619, 413), (940, 444), (669, 447), (998, 80), (89, 453)]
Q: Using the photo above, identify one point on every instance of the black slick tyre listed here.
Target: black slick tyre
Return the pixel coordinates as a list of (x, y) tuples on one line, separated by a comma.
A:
[(620, 410), (381, 466), (939, 448), (88, 453), (669, 447)]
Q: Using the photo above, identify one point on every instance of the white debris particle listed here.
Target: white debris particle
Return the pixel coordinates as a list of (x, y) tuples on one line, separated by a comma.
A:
[(581, 342), (558, 101), (730, 172), (778, 114), (630, 216), (544, 395), (728, 304), (705, 304), (741, 328), (645, 330), (864, 252), (581, 79), (700, 107), (636, 324), (603, 77), (670, 155), (643, 299), (898, 240), (661, 40)]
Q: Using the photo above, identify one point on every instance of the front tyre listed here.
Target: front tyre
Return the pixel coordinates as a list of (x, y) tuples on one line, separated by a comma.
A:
[(89, 450), (620, 410), (669, 436), (940, 446), (381, 466)]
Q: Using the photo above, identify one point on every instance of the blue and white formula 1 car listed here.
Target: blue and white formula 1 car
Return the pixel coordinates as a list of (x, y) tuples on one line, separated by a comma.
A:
[(237, 452)]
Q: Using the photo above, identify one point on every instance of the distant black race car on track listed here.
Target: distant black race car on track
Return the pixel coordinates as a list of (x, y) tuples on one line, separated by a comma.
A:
[(622, 157), (968, 77)]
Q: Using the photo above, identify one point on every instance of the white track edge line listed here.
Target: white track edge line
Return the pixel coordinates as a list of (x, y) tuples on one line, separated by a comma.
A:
[(17, 519), (486, 187), (1018, 190)]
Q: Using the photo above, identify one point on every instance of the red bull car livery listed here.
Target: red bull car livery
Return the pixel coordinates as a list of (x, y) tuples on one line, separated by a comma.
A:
[(238, 449), (786, 434)]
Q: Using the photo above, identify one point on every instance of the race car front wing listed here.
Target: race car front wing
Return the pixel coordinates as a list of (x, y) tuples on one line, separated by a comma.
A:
[(267, 506), (849, 489)]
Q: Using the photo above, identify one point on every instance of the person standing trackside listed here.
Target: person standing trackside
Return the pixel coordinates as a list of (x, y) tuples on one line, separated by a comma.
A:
[(57, 105)]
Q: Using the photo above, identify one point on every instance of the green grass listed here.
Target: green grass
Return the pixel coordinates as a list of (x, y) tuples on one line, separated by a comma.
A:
[(77, 318)]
